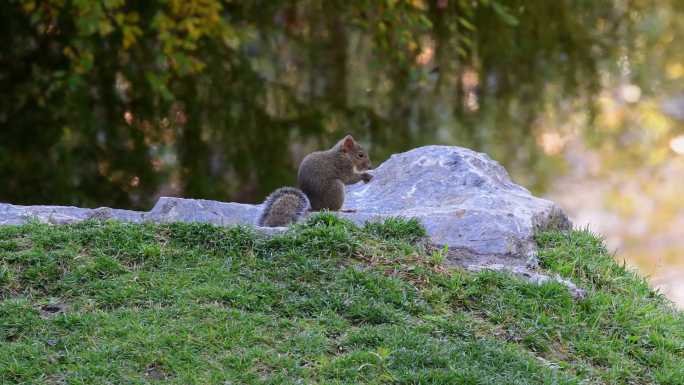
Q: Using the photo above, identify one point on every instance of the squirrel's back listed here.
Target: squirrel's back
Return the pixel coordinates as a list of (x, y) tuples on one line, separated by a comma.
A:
[(319, 178), (284, 206)]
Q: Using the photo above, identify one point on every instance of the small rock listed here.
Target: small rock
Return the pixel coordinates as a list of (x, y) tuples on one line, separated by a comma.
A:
[(200, 210), (50, 310), (53, 308)]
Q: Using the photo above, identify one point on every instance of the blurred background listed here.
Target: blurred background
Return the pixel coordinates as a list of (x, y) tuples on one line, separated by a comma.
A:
[(117, 102)]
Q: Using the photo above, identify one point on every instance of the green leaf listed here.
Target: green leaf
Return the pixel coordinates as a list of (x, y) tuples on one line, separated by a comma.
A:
[(464, 22), (505, 14)]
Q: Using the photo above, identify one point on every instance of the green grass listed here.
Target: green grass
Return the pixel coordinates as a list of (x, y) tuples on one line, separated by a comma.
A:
[(325, 303)]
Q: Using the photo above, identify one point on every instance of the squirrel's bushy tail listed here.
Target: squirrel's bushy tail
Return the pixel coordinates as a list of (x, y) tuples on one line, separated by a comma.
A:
[(284, 206)]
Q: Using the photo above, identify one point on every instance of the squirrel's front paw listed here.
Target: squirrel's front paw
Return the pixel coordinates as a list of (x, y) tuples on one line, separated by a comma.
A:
[(366, 177)]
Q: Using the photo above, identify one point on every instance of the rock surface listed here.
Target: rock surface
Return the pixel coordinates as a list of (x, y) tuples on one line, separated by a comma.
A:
[(61, 215), (464, 199)]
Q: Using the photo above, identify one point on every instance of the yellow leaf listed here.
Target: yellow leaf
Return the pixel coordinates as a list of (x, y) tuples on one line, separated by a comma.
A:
[(29, 6), (69, 52), (105, 27), (130, 34), (133, 17)]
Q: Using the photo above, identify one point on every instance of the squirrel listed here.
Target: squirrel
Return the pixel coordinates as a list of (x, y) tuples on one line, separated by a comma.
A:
[(321, 178)]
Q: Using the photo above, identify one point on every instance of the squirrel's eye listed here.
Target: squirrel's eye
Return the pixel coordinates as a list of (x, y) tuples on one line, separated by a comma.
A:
[(360, 155)]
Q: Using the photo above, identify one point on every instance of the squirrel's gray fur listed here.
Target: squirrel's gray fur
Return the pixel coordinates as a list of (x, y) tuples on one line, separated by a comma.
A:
[(323, 174), (283, 206), (321, 177)]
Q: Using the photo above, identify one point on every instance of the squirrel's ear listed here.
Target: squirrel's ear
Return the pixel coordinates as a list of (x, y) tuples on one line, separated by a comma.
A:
[(347, 143)]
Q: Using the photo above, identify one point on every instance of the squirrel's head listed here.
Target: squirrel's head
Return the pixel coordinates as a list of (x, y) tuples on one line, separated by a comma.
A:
[(352, 149)]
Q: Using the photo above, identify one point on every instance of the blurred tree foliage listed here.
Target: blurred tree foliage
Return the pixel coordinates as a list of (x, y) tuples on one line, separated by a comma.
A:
[(113, 102)]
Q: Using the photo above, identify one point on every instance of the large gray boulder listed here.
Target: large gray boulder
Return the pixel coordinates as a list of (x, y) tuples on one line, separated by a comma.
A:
[(466, 201)]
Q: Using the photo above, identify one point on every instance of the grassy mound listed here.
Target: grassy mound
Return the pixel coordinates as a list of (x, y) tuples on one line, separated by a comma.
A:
[(325, 303)]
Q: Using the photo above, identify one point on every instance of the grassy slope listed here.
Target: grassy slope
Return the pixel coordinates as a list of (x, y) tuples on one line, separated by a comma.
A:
[(326, 303)]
